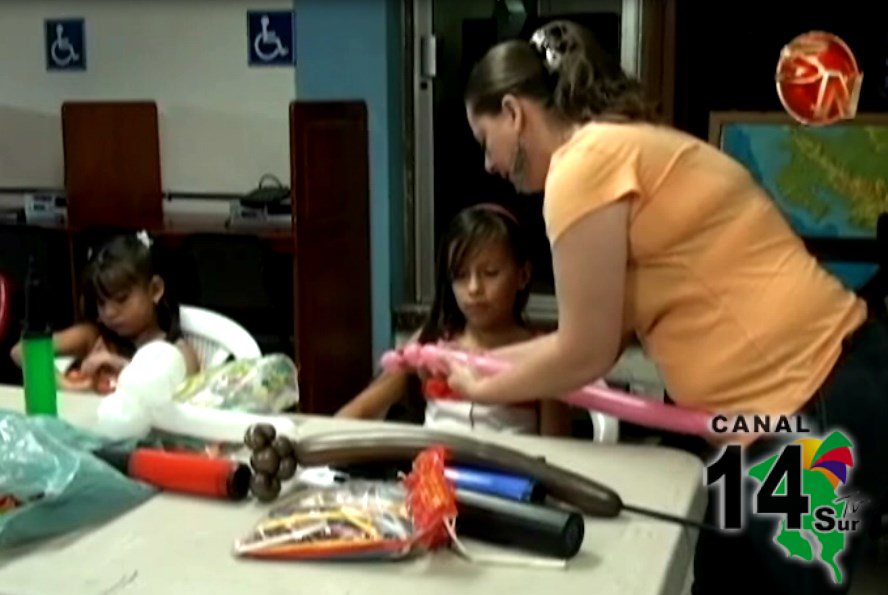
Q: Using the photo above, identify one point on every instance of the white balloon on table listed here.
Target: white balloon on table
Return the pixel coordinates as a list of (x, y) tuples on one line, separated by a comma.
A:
[(143, 400)]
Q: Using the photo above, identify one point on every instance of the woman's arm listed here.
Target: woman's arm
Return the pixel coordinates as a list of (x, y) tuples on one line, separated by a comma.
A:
[(517, 352), (589, 262), (75, 341), (375, 400)]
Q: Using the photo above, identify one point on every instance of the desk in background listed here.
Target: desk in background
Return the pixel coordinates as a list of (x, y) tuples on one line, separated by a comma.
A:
[(179, 545)]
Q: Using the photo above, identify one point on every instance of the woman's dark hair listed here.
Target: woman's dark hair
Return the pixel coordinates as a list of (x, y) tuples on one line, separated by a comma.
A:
[(469, 230), (115, 268), (562, 67)]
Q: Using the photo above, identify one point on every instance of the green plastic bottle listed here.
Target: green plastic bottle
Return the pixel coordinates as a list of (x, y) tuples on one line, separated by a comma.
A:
[(38, 353)]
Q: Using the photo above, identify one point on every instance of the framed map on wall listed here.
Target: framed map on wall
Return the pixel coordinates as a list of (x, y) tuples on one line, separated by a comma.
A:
[(831, 183)]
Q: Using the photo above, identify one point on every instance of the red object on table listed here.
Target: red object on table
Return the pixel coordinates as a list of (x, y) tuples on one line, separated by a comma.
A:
[(190, 473), (431, 497)]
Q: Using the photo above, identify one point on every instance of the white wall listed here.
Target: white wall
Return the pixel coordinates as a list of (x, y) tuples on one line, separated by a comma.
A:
[(222, 124)]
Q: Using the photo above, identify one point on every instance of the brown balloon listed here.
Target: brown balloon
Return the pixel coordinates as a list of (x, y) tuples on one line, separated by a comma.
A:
[(266, 461), (265, 487), (287, 468)]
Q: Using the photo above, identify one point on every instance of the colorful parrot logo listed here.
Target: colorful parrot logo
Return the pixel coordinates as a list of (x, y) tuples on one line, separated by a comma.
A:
[(832, 457)]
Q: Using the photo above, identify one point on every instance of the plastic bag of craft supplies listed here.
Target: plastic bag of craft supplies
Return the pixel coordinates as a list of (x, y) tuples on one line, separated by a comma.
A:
[(263, 385), (360, 520)]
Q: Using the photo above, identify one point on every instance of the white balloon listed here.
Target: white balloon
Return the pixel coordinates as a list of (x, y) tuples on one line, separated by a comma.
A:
[(215, 424), (144, 399), (120, 416), (154, 373)]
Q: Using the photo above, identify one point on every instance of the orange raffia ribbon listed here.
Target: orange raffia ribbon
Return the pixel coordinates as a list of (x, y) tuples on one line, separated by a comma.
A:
[(431, 497)]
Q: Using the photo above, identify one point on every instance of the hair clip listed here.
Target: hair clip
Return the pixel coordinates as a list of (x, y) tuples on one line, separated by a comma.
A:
[(551, 43), (142, 236)]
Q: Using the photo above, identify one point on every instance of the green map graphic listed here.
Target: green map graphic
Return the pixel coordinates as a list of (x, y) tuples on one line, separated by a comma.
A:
[(828, 181), (807, 542)]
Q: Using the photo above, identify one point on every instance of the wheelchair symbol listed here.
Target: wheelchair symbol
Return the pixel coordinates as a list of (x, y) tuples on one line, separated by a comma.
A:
[(268, 38), (61, 50)]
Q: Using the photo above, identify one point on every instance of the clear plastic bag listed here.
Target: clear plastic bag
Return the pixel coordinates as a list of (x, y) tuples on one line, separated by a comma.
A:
[(374, 520), (50, 483), (352, 521), (264, 385)]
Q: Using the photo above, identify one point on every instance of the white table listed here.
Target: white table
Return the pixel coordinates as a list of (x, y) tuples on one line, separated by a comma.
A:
[(173, 544)]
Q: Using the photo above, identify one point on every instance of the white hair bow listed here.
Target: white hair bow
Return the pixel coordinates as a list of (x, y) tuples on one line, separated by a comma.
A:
[(142, 236)]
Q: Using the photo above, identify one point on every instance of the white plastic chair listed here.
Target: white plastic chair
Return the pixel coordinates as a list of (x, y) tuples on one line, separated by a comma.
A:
[(605, 428), (215, 337), (641, 375)]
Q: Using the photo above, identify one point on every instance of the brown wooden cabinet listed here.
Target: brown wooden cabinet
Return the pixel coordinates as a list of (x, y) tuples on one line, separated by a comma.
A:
[(112, 164), (329, 167)]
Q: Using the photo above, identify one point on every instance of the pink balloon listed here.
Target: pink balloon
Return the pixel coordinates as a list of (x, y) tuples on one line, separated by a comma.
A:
[(597, 397), (392, 361)]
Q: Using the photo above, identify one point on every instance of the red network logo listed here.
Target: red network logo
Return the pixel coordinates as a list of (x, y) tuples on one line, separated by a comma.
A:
[(818, 80)]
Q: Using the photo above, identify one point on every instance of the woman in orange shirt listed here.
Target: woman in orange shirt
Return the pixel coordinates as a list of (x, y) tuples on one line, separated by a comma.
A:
[(658, 234)]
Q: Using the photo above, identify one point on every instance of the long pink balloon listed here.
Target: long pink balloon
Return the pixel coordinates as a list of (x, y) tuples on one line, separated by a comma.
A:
[(641, 411)]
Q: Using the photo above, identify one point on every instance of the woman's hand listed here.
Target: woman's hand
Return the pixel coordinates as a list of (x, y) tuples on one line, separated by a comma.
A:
[(465, 381)]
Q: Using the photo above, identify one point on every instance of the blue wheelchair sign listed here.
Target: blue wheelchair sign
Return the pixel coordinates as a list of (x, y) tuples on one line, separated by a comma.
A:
[(271, 37), (65, 44)]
